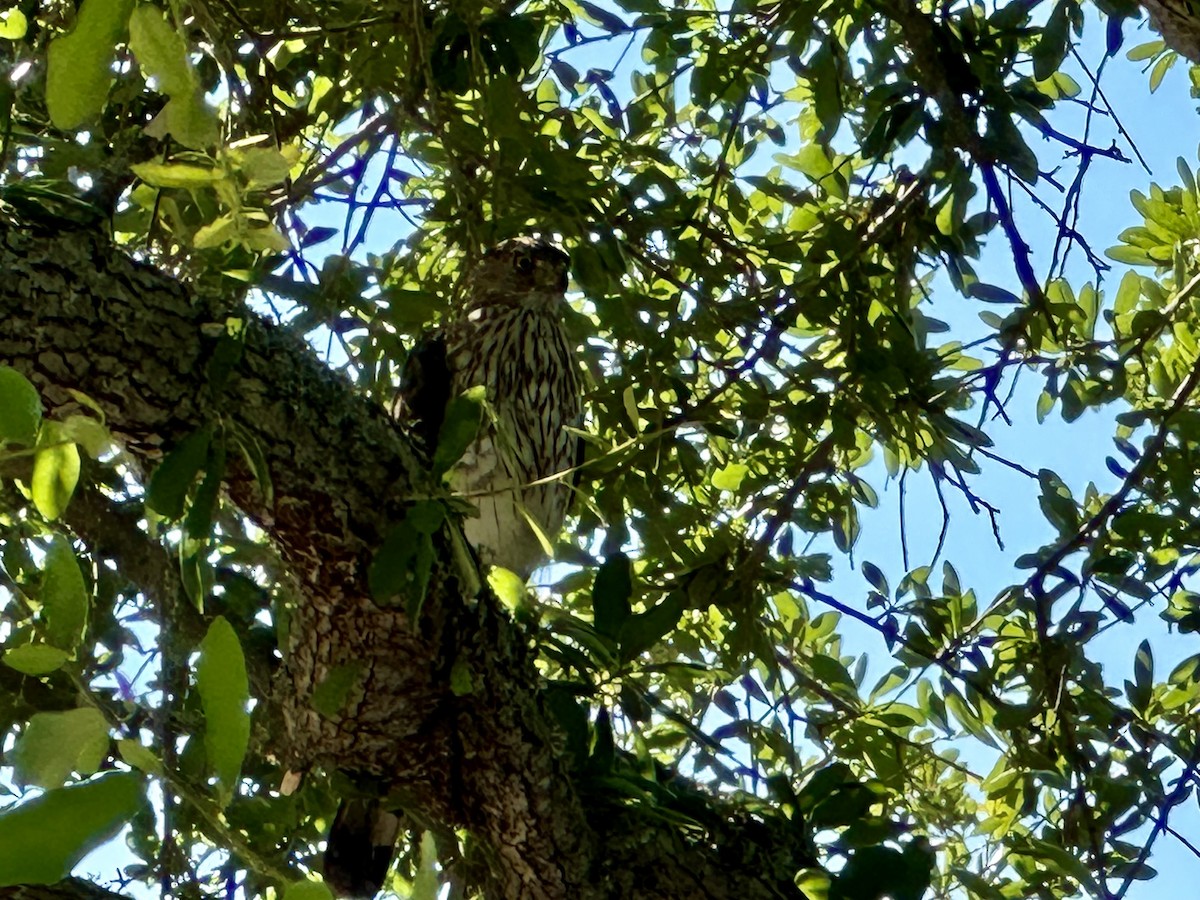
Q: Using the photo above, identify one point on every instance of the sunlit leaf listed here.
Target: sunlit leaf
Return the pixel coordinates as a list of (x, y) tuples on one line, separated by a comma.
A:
[(43, 838), (224, 691)]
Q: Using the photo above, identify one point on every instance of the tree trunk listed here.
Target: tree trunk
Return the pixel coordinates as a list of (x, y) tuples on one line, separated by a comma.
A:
[(77, 314), (1178, 22)]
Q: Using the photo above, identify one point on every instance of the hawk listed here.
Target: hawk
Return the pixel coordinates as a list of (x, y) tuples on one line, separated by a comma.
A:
[(509, 338)]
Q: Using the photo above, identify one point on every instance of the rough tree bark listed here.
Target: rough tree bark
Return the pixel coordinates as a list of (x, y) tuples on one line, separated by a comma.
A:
[(77, 314), (1178, 23)]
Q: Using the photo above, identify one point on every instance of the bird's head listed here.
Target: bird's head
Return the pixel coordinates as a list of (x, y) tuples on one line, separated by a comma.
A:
[(521, 271)]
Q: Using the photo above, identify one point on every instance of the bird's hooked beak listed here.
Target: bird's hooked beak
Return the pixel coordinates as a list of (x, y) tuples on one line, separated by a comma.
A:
[(551, 275)]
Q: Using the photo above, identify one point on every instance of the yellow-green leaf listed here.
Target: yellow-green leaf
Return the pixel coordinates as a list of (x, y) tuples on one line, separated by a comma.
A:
[(307, 890), (730, 477), (161, 51), (263, 167), (55, 744), (176, 175), (224, 692), (139, 756), (215, 233), (55, 472), (425, 884), (35, 659), (13, 25), (64, 596), (79, 64)]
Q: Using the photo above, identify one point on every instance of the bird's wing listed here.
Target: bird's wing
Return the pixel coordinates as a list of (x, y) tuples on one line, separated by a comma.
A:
[(424, 390)]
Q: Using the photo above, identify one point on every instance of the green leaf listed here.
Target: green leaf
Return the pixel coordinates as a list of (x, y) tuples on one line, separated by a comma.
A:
[(391, 569), (875, 577), (139, 756), (463, 416), (989, 293), (55, 471), (20, 408), (160, 51), (330, 696), (507, 586), (35, 659), (88, 433), (461, 682), (1148, 50), (13, 25), (43, 839), (55, 744), (224, 691), (404, 561), (730, 477), (174, 476), (189, 120), (610, 595), (79, 64), (642, 631), (1161, 67), (1134, 256), (263, 167), (597, 15), (64, 596), (426, 516), (425, 884), (162, 54), (307, 890), (1185, 173), (176, 175)]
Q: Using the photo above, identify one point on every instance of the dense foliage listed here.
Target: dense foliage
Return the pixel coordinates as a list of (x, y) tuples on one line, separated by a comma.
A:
[(758, 199)]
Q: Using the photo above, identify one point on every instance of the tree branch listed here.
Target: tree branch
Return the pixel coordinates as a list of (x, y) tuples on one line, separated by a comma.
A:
[(76, 315)]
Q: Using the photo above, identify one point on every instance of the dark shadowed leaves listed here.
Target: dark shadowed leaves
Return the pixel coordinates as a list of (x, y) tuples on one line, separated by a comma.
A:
[(20, 408), (174, 476), (463, 416), (610, 595)]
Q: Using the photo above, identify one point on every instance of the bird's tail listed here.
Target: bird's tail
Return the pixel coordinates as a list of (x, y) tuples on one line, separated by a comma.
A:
[(360, 847)]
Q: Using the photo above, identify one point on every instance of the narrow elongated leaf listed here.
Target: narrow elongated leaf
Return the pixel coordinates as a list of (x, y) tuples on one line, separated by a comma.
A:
[(224, 691), (42, 840), (170, 482), (176, 175), (610, 595), (64, 596)]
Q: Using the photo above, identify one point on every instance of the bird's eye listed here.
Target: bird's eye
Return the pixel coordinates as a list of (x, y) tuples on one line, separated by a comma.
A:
[(524, 265)]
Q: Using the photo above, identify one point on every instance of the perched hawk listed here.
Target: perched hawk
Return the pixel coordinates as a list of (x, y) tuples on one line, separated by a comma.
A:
[(510, 339)]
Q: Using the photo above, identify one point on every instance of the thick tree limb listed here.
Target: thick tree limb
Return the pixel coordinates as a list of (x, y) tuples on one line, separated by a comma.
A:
[(1178, 22), (77, 314)]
